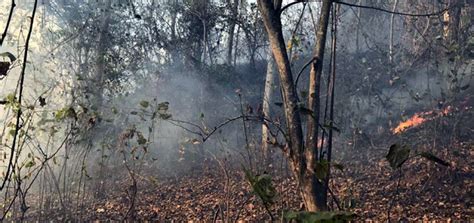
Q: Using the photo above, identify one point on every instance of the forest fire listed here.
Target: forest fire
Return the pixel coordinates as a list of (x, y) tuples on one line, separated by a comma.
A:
[(420, 118), (242, 111)]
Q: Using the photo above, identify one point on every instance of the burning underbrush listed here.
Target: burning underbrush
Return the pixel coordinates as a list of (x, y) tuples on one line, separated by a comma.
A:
[(420, 118), (445, 124)]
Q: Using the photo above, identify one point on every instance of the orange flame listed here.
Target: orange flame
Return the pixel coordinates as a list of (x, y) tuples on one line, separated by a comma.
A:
[(418, 119)]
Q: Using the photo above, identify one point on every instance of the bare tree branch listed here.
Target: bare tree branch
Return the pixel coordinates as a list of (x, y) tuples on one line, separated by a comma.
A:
[(20, 95), (8, 22), (394, 12)]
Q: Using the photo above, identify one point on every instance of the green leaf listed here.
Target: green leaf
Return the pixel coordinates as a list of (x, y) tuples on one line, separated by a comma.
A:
[(322, 216), (10, 100), (144, 104), (163, 106), (71, 113), (397, 155), (141, 140), (30, 164), (321, 169), (165, 116), (262, 186), (429, 156), (64, 113)]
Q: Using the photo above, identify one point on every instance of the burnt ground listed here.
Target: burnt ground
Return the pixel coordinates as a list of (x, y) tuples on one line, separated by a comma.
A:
[(367, 186), (426, 191)]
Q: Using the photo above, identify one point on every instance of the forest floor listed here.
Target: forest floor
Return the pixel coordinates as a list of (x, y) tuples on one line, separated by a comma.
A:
[(368, 188)]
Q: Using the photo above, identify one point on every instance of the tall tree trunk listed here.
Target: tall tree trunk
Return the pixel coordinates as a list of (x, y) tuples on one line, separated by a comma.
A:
[(267, 97), (174, 16), (236, 45), (234, 6), (359, 13), (451, 21), (101, 53), (392, 25), (312, 185), (301, 160), (99, 78), (315, 85), (204, 42), (271, 18)]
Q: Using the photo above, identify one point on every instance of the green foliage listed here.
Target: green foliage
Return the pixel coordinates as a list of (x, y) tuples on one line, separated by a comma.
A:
[(293, 42), (11, 101), (262, 186), (165, 116), (11, 98), (162, 110), (144, 104), (397, 155), (64, 113), (322, 169), (163, 106), (140, 139), (323, 216), (30, 164)]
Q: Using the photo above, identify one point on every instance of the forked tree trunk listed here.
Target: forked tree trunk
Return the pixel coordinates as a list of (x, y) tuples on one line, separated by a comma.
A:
[(302, 159)]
